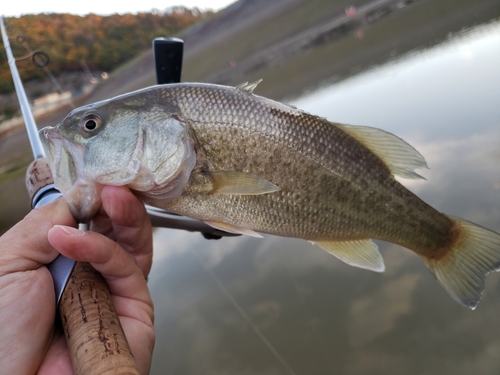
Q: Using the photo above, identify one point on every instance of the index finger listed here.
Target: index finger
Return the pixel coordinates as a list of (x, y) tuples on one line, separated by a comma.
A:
[(129, 223)]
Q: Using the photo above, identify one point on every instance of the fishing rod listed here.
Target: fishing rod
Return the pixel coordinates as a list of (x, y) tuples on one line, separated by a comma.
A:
[(168, 53), (85, 337), (41, 189)]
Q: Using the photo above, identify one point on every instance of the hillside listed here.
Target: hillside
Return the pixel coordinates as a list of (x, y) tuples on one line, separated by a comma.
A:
[(294, 44), (78, 46)]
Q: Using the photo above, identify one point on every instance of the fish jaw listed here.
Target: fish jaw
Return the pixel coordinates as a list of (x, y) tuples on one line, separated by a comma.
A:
[(84, 201), (82, 195), (61, 161)]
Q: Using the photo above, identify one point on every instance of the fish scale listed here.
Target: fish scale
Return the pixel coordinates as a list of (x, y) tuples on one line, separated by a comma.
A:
[(246, 164), (297, 133)]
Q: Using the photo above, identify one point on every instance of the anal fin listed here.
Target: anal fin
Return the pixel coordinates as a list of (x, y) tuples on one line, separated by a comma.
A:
[(357, 253)]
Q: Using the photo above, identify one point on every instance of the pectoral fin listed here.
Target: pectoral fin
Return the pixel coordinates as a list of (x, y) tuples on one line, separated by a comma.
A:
[(359, 253), (240, 183), (232, 228)]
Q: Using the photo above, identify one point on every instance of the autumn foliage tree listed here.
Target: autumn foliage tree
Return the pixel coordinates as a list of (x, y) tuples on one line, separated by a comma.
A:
[(103, 42)]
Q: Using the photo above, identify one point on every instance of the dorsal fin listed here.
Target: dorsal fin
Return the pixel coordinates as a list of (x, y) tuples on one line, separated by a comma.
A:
[(248, 88), (401, 158)]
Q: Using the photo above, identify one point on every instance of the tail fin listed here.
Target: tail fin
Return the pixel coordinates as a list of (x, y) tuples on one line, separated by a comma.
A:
[(462, 271)]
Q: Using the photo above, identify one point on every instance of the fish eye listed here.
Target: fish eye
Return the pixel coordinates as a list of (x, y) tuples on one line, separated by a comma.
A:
[(91, 123)]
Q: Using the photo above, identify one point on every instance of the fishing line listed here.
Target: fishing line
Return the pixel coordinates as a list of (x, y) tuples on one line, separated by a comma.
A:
[(40, 59), (319, 338), (240, 311)]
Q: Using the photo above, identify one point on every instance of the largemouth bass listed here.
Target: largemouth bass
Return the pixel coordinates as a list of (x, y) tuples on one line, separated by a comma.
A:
[(246, 164)]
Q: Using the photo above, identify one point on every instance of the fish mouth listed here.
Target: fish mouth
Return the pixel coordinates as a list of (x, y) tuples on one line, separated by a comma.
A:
[(82, 197), (50, 133), (51, 139)]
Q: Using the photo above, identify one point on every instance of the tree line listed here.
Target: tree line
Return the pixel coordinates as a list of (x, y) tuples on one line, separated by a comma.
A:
[(100, 42)]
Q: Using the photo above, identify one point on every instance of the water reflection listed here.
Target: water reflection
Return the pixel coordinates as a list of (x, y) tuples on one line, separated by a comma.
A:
[(282, 306), (440, 93), (444, 102)]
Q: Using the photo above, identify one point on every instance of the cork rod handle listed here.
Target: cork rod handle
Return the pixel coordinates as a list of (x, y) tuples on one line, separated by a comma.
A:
[(95, 337), (97, 344)]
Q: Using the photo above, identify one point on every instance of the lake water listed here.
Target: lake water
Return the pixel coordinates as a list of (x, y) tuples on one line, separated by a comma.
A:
[(283, 306), (276, 306)]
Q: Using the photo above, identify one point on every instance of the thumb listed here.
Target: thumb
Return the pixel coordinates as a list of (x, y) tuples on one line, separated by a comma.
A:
[(25, 246), (117, 266)]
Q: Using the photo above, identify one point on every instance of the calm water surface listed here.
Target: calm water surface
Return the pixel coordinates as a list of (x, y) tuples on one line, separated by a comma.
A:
[(282, 306)]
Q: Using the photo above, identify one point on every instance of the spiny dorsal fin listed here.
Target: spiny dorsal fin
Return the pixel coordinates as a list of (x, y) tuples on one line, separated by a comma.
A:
[(357, 253), (401, 158), (248, 88), (240, 183), (230, 228)]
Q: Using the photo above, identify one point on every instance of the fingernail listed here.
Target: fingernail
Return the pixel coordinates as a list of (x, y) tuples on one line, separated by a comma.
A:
[(70, 230)]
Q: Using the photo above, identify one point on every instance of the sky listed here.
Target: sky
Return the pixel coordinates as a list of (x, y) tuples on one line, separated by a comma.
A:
[(16, 8)]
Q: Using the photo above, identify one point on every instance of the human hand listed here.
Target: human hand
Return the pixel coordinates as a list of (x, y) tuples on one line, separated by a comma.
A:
[(121, 252)]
